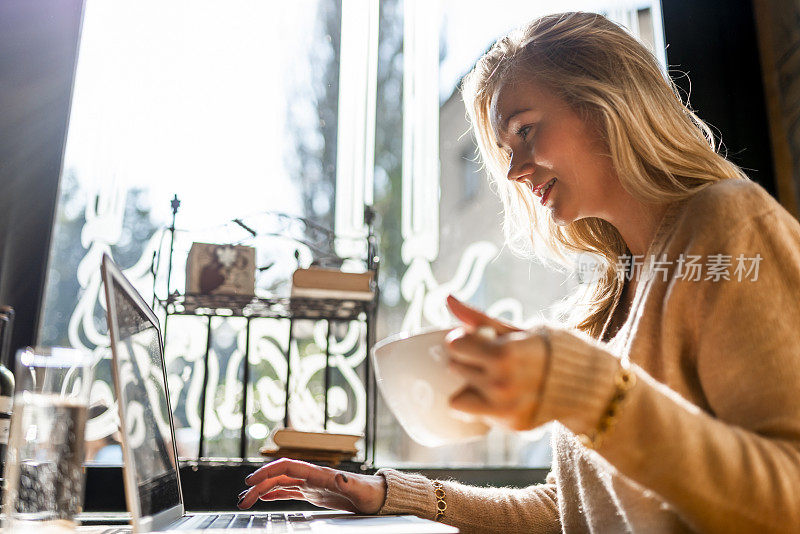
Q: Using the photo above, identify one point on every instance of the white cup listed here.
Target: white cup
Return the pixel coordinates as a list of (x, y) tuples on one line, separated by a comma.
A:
[(412, 374)]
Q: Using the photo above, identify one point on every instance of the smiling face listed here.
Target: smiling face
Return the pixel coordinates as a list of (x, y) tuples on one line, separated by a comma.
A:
[(554, 152)]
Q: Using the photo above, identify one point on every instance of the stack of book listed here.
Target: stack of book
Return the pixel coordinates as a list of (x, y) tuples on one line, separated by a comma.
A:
[(312, 446), (332, 284)]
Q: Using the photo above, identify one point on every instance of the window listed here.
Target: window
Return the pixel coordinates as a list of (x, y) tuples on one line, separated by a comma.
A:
[(235, 108)]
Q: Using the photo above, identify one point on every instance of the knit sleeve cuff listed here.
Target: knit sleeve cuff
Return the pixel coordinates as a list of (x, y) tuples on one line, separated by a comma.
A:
[(407, 493), (579, 383)]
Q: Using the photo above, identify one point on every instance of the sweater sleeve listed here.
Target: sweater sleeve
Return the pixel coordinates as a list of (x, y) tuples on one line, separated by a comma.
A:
[(737, 468), (473, 509)]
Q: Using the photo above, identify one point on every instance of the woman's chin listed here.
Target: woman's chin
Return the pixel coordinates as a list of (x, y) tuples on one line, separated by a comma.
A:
[(558, 216)]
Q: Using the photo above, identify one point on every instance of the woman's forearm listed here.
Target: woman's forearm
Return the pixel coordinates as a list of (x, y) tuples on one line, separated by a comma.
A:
[(718, 477), (473, 509)]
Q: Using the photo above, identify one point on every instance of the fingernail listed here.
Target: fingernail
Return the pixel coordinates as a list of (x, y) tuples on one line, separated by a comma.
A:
[(242, 494), (247, 478), (486, 332), (240, 501)]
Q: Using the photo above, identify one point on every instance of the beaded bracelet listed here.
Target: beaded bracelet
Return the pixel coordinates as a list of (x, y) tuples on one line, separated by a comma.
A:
[(624, 380), (441, 505)]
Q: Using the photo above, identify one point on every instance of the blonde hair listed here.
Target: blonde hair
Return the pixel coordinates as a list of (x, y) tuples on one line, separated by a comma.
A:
[(661, 151)]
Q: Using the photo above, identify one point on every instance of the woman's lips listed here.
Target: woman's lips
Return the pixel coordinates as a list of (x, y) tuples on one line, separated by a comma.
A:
[(538, 190), (547, 194)]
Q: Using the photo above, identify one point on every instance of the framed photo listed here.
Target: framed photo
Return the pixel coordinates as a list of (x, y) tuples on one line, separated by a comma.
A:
[(221, 269)]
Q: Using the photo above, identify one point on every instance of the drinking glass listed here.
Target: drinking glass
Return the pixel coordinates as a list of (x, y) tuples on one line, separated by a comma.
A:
[(44, 466)]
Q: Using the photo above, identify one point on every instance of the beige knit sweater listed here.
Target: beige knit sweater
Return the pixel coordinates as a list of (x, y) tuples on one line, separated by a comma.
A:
[(709, 438)]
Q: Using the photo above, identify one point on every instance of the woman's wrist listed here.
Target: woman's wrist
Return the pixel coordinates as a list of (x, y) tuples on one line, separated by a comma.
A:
[(624, 380), (580, 382), (441, 500), (408, 493), (376, 497)]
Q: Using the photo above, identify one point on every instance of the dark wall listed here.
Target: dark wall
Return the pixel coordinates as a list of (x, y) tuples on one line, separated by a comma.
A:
[(715, 42), (38, 52)]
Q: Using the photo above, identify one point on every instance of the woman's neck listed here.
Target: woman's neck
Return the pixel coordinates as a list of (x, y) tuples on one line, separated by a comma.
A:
[(637, 223)]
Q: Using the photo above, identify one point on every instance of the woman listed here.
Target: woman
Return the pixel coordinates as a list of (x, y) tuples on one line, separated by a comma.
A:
[(676, 395)]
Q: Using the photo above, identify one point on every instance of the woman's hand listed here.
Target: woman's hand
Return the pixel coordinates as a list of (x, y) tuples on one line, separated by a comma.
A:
[(504, 375), (286, 479)]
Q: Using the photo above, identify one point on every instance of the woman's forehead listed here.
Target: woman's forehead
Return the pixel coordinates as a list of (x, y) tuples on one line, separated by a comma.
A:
[(513, 97)]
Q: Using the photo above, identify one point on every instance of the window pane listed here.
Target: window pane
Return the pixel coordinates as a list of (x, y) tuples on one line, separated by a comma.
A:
[(233, 107)]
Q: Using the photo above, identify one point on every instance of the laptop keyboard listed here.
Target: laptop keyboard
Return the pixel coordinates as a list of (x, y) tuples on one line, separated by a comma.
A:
[(272, 523), (276, 522)]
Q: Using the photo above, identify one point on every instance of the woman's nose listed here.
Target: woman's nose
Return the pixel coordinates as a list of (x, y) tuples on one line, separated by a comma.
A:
[(518, 167)]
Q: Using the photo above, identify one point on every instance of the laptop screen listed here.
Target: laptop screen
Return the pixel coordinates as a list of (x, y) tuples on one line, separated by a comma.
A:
[(144, 397)]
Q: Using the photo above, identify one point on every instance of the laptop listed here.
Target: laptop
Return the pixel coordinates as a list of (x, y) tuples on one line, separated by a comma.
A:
[(150, 459)]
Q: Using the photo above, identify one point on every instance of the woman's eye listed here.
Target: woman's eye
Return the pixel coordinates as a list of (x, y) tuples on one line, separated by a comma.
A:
[(523, 132)]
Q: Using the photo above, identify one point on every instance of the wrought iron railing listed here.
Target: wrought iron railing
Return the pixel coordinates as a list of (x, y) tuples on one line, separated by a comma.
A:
[(331, 311)]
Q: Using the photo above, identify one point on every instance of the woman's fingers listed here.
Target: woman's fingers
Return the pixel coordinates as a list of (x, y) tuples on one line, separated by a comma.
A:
[(472, 317), (477, 377), (471, 349), (282, 495), (282, 482), (469, 400), (286, 472), (504, 376), (313, 474)]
